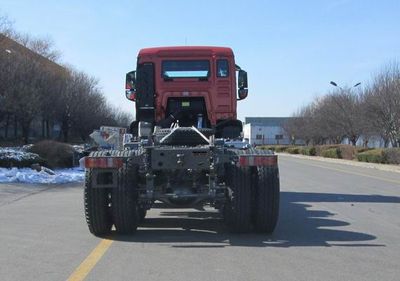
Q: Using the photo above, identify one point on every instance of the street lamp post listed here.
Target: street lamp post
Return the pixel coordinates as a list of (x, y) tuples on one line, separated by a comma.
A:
[(342, 90)]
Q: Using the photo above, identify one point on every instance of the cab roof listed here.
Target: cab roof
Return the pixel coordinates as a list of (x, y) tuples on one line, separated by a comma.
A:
[(180, 51)]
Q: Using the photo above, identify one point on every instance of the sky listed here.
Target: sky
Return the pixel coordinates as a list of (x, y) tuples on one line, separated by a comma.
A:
[(290, 49)]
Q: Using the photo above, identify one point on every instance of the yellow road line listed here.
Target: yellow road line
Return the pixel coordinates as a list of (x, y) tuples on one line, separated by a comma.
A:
[(88, 264), (354, 173)]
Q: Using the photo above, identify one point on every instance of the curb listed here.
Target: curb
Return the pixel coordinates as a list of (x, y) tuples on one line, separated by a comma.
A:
[(382, 167)]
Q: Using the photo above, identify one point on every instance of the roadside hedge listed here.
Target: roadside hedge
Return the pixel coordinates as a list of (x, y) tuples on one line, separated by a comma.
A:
[(267, 147), (56, 154), (347, 152), (372, 156), (331, 153), (281, 148), (308, 150), (320, 148), (392, 155), (293, 150), (362, 149), (342, 151)]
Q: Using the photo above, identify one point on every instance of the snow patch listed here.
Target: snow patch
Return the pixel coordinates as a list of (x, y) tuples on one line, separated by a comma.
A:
[(27, 175), (16, 153)]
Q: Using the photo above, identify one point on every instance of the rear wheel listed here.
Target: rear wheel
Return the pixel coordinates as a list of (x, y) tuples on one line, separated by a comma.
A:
[(97, 209), (266, 207), (124, 200), (237, 209)]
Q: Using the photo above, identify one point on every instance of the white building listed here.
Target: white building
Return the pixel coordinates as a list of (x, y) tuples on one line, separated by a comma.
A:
[(266, 130)]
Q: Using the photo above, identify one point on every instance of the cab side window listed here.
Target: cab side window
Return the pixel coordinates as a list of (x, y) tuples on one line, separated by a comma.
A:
[(222, 68)]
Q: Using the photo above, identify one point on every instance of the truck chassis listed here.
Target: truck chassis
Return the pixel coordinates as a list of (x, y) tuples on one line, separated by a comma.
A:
[(121, 185)]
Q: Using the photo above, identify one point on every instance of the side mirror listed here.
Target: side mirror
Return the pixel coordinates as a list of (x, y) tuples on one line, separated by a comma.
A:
[(130, 85), (242, 79)]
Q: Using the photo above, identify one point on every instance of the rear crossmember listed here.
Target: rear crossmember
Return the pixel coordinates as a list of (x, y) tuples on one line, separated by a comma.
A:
[(243, 160)]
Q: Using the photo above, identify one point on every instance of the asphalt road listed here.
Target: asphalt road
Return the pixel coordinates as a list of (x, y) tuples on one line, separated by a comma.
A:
[(337, 222)]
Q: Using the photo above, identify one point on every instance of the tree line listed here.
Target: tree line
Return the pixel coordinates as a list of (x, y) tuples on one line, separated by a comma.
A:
[(353, 113), (35, 90)]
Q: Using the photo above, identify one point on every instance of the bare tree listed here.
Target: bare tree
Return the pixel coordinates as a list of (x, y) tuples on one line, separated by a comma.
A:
[(34, 88), (23, 96), (332, 118), (41, 46), (383, 104), (121, 118), (6, 29), (298, 127), (343, 114), (82, 107), (92, 115), (6, 26)]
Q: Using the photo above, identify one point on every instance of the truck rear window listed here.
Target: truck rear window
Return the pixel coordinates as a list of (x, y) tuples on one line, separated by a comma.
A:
[(185, 68)]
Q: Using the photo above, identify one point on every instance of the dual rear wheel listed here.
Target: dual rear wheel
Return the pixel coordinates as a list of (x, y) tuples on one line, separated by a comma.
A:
[(253, 199), (117, 206)]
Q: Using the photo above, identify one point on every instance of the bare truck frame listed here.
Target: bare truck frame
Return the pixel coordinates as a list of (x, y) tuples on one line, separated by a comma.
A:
[(176, 153)]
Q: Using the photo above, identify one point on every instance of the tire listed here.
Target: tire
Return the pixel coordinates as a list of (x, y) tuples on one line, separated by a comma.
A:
[(266, 207), (124, 200), (97, 210), (237, 209)]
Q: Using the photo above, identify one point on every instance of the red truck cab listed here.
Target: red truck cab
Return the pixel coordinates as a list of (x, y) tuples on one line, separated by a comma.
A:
[(179, 84)]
